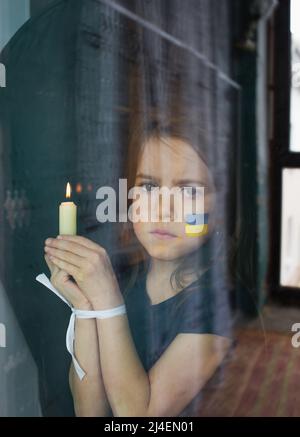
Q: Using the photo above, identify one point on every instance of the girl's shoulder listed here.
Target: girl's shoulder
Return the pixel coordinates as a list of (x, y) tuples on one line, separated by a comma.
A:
[(203, 307)]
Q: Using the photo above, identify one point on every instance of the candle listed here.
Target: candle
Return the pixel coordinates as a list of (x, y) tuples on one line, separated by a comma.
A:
[(67, 215)]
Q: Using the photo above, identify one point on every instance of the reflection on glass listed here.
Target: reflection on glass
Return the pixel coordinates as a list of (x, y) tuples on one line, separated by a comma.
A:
[(13, 14), (295, 76), (290, 229)]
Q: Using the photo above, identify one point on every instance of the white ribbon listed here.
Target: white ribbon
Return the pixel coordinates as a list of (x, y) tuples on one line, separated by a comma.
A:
[(81, 314)]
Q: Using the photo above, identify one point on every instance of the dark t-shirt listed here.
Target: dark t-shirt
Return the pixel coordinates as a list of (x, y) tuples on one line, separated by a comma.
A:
[(198, 308)]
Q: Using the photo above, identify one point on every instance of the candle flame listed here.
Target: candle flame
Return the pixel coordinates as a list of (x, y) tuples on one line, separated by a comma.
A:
[(68, 190)]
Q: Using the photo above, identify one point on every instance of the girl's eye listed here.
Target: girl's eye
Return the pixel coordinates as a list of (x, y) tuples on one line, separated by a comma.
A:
[(192, 192), (148, 186)]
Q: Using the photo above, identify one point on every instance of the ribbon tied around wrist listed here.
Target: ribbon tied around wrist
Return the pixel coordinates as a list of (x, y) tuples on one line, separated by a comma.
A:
[(80, 314)]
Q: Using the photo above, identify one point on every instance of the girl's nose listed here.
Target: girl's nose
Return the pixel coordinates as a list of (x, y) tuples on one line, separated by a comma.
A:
[(166, 208)]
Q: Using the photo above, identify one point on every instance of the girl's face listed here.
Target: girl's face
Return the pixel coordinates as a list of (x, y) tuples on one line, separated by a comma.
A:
[(171, 162)]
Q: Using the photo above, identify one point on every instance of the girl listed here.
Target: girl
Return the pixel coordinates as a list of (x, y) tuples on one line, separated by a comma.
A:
[(154, 359)]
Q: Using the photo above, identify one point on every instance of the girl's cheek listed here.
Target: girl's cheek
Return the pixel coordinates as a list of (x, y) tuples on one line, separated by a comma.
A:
[(139, 229), (190, 244), (135, 229)]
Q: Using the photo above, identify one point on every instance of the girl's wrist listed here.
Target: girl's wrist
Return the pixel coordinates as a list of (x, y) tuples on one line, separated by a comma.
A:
[(107, 302)]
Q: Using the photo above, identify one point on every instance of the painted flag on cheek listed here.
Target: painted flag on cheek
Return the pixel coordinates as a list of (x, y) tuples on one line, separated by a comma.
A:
[(196, 225)]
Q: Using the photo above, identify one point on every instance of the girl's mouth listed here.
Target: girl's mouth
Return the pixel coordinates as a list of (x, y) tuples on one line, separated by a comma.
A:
[(162, 234)]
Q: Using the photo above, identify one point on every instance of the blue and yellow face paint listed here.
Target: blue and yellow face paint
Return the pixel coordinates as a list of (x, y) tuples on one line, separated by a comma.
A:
[(196, 225)]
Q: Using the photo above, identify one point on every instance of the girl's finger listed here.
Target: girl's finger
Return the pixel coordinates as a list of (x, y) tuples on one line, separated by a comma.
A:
[(68, 288), (70, 246), (69, 268), (65, 255), (52, 267), (82, 241)]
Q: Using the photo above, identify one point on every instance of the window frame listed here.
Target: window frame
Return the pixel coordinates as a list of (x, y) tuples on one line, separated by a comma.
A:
[(280, 154)]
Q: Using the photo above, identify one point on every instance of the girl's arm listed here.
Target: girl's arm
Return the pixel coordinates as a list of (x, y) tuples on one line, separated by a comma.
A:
[(89, 394), (177, 376), (171, 384)]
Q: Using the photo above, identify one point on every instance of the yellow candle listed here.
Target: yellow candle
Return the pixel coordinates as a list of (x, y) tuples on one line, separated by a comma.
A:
[(68, 216)]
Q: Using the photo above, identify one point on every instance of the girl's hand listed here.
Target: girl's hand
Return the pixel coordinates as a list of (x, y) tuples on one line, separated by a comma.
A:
[(89, 265), (63, 283)]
